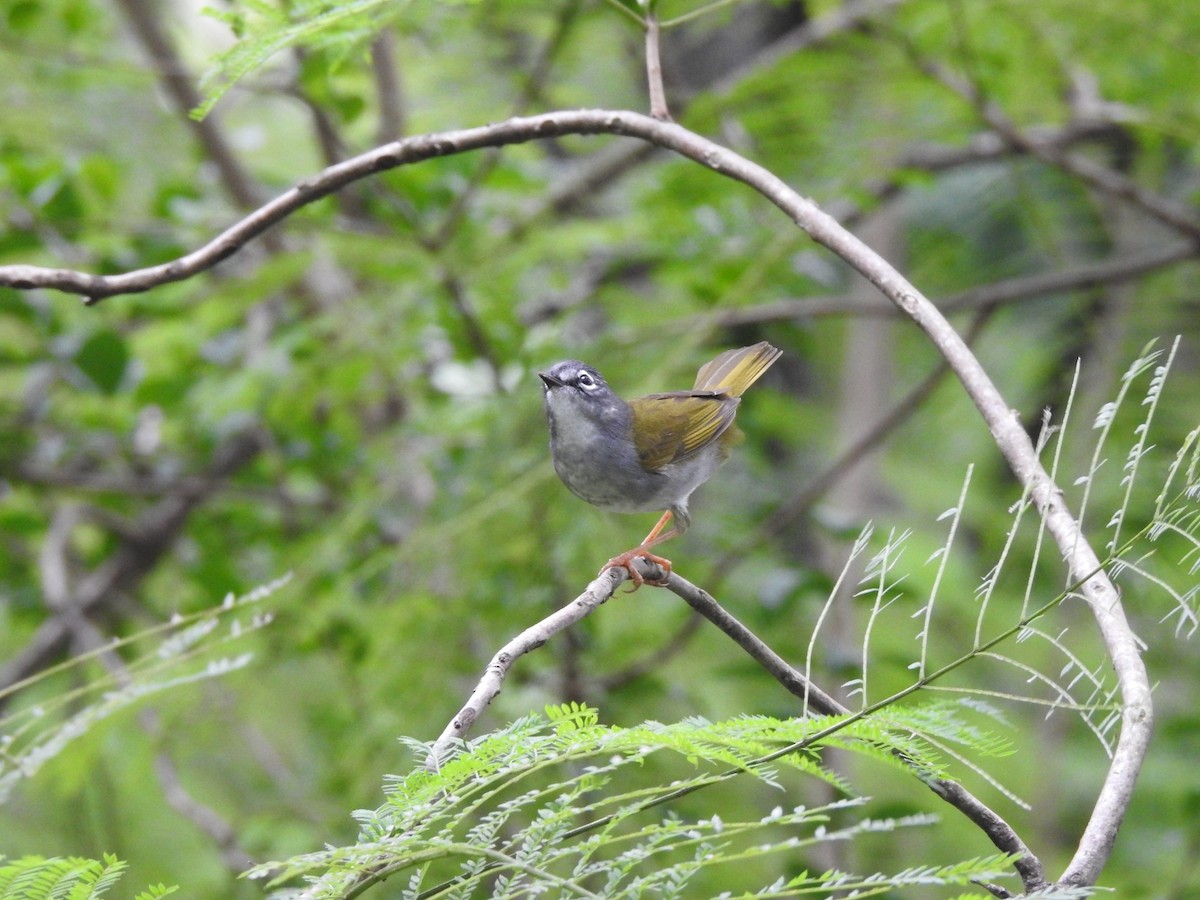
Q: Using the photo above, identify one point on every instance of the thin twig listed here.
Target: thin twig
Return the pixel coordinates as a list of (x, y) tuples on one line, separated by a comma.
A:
[(654, 73), (599, 591)]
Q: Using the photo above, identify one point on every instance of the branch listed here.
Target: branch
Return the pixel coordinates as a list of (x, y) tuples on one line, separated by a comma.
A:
[(654, 75), (1111, 271), (599, 591), (1102, 178), (597, 173)]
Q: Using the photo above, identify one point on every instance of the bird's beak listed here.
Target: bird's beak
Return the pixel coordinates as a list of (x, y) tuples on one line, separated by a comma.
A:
[(549, 380)]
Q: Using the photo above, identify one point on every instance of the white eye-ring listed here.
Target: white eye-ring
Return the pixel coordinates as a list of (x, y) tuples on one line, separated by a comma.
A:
[(586, 381)]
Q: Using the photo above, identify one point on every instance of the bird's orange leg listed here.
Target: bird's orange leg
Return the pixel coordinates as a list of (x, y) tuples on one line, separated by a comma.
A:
[(642, 551)]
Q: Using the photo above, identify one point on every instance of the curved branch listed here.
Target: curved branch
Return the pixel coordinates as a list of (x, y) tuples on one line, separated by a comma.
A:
[(599, 591), (326, 182)]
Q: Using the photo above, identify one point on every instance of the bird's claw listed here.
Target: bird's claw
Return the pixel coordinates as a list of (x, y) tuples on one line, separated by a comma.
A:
[(625, 561)]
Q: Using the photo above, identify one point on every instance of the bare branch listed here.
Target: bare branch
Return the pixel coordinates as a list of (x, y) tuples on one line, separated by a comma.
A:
[(599, 591), (654, 74)]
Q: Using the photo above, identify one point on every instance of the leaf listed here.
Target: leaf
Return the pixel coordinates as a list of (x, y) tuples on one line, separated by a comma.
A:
[(103, 358)]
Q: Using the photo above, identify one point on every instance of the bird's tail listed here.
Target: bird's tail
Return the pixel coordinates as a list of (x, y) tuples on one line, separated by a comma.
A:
[(735, 370)]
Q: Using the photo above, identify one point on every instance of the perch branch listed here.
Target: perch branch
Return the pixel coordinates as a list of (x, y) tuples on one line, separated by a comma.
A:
[(599, 591)]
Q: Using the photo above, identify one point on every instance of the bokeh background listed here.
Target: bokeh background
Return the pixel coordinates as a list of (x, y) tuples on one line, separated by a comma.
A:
[(352, 399)]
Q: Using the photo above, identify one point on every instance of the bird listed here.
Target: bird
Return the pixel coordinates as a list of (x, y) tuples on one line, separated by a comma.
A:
[(650, 453)]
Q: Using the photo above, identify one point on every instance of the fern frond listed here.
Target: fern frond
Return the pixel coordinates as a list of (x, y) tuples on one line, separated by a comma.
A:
[(955, 515), (76, 878), (586, 816)]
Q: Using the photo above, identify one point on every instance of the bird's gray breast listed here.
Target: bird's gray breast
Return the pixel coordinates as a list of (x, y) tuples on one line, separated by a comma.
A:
[(594, 454)]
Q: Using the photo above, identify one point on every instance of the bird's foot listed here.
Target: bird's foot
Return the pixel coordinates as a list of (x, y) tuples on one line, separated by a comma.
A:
[(625, 561)]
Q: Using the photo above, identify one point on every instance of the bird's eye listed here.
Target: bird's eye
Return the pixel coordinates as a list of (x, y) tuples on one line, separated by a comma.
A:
[(586, 381)]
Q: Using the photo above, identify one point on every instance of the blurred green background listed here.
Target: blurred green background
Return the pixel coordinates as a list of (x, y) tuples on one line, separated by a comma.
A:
[(352, 399)]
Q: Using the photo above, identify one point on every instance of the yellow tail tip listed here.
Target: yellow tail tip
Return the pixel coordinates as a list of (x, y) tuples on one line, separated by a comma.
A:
[(735, 370)]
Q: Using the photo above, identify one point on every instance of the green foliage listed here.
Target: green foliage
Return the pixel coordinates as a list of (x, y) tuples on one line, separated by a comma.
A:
[(34, 735), (567, 805), (264, 29), (38, 878)]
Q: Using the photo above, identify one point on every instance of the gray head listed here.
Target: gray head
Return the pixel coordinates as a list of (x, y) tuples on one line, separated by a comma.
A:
[(572, 388), (575, 376)]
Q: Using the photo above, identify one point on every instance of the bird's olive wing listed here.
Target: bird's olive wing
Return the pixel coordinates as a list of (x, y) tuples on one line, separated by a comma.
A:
[(670, 427)]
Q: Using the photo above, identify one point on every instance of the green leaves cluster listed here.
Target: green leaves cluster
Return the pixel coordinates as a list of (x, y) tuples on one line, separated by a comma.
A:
[(562, 804), (36, 877), (263, 29)]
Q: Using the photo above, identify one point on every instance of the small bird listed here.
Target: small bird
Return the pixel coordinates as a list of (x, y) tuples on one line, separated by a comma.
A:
[(650, 453)]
